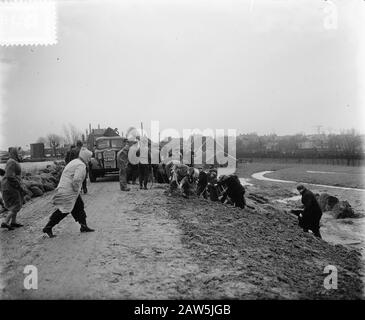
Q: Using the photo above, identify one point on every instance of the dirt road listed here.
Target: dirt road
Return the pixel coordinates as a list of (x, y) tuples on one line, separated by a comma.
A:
[(151, 246), (135, 252)]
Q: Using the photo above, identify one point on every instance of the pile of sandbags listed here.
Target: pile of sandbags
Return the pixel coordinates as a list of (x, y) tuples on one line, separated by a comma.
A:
[(45, 180), (338, 208)]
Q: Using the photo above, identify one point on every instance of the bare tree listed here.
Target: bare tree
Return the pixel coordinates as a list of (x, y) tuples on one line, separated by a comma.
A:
[(43, 140), (72, 134), (54, 141)]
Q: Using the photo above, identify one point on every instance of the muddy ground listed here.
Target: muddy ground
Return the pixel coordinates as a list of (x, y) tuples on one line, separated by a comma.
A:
[(151, 246)]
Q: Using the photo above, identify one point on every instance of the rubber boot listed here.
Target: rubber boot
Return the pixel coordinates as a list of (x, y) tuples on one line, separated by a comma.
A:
[(16, 225), (7, 226), (84, 227), (55, 218), (317, 234)]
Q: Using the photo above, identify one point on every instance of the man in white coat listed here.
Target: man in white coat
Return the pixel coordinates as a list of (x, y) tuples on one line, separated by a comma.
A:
[(67, 198)]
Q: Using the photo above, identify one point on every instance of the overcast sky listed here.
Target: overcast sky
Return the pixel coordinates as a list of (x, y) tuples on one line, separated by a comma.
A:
[(255, 66)]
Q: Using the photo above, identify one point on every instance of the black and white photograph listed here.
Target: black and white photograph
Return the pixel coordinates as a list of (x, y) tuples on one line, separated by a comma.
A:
[(182, 150)]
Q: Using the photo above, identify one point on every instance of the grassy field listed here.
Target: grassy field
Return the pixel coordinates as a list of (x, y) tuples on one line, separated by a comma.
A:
[(344, 176), (351, 177)]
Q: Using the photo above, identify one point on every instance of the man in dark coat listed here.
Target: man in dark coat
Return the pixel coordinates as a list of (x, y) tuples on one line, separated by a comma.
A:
[(212, 184), (234, 190), (202, 184), (312, 213)]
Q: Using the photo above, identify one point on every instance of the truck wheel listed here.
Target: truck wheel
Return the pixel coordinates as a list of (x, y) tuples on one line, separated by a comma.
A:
[(92, 176)]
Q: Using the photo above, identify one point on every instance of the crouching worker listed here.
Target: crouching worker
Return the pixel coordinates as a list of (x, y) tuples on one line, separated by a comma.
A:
[(233, 189), (202, 184), (178, 172), (67, 198), (183, 177), (310, 217), (2, 205)]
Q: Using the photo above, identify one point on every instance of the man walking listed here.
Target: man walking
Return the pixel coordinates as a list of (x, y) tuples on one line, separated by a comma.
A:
[(72, 154), (312, 213), (67, 198)]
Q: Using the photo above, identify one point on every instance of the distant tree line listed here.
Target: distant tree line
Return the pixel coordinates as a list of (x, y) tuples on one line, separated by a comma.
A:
[(56, 141), (347, 145)]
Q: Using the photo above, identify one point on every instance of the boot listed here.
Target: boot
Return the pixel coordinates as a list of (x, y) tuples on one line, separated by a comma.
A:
[(8, 226), (55, 218), (317, 234), (85, 228), (16, 225), (48, 231)]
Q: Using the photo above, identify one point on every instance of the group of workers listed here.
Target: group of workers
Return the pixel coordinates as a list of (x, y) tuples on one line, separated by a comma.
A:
[(67, 198), (205, 183)]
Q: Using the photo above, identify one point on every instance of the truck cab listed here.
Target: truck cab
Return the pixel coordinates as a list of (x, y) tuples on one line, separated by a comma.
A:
[(104, 160)]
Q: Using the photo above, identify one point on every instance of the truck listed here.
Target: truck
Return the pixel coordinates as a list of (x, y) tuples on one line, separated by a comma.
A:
[(104, 160)]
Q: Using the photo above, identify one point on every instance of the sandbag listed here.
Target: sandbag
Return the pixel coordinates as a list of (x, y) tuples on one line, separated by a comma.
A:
[(30, 183), (45, 176), (343, 210), (48, 186), (37, 192), (326, 201), (37, 178)]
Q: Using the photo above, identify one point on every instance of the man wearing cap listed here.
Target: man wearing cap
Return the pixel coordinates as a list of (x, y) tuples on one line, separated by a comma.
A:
[(312, 213)]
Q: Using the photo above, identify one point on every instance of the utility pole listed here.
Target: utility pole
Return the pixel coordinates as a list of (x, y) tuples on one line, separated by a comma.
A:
[(142, 128)]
